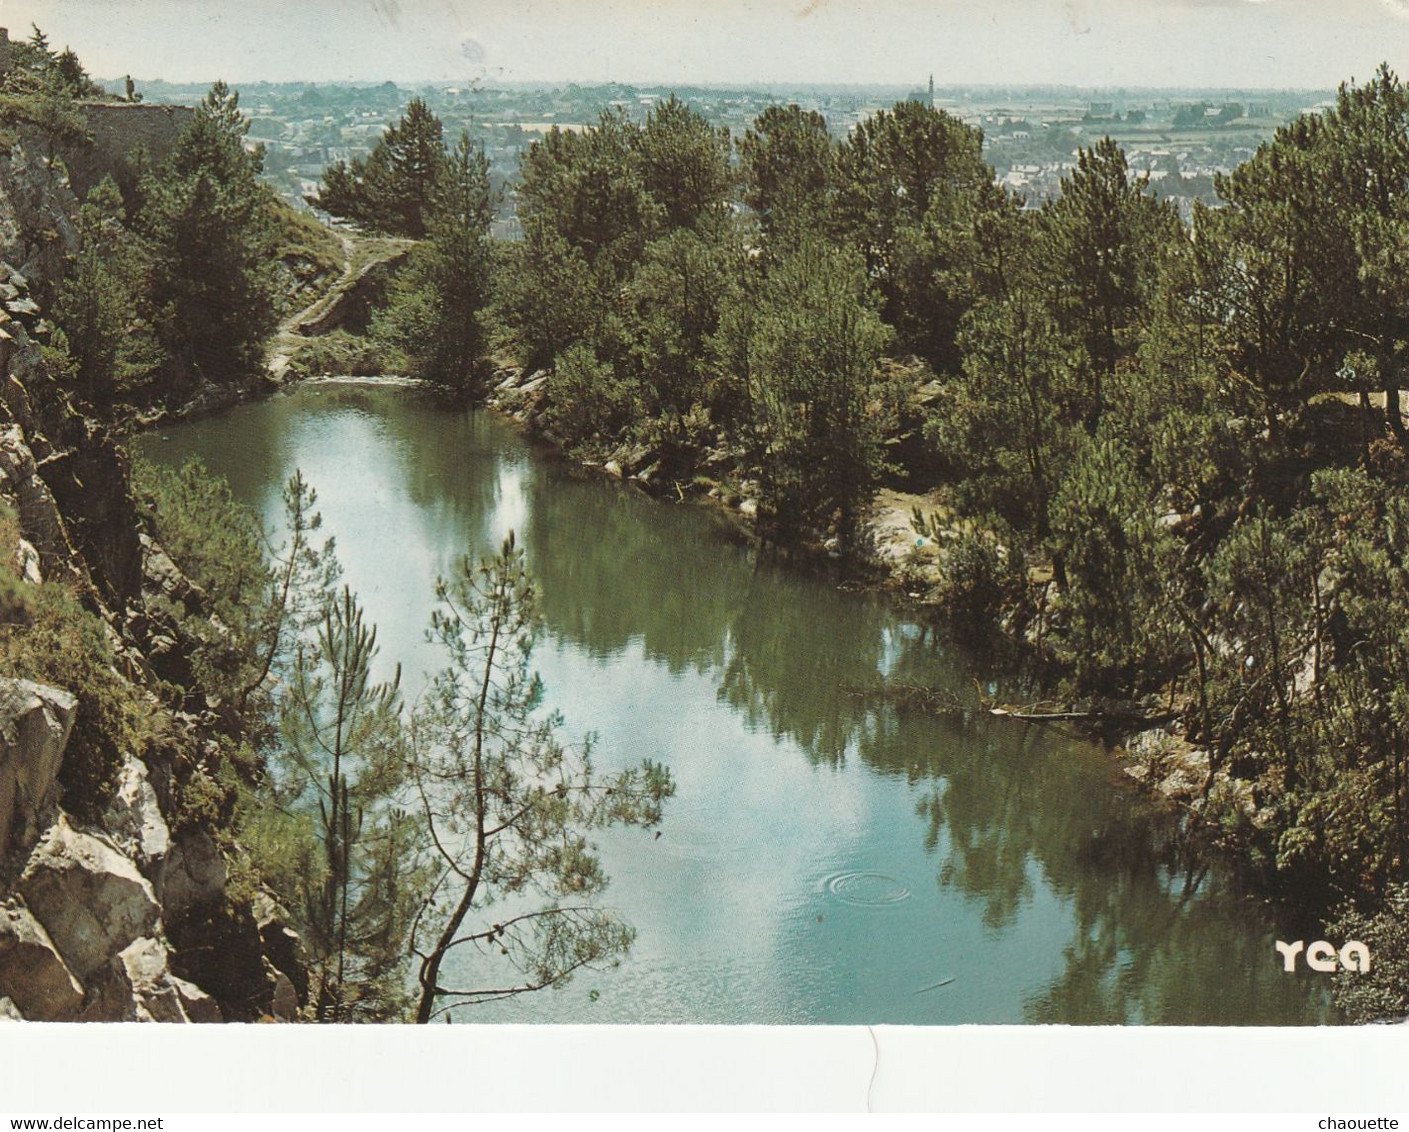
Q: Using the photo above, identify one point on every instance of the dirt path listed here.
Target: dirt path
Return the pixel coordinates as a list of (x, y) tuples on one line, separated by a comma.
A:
[(361, 255)]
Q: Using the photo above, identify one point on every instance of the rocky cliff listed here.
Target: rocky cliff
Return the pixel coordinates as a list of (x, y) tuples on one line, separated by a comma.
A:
[(116, 901)]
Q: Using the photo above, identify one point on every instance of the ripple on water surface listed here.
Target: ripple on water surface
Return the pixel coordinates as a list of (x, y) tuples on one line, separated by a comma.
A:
[(866, 890)]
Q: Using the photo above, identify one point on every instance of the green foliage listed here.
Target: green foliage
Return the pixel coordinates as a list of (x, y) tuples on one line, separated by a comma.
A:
[(978, 582), (1382, 993), (47, 636), (585, 190), (1261, 580), (345, 354), (1007, 421), (684, 165), (334, 778), (672, 307), (548, 298), (1104, 530), (304, 244), (1280, 264), (587, 399), (34, 65), (39, 88), (100, 293), (210, 225), (393, 189), (508, 806), (912, 189), (219, 546), (1102, 245), (787, 166), (819, 411), (435, 317)]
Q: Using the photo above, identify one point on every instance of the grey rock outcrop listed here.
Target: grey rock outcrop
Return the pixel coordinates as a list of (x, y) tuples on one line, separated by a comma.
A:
[(134, 820), (92, 900), (135, 986), (193, 874), (32, 973), (35, 722), (37, 213), (9, 1012), (40, 521), (199, 1006)]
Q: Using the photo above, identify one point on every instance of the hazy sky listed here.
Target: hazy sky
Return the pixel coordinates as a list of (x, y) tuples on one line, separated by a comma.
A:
[(1087, 42)]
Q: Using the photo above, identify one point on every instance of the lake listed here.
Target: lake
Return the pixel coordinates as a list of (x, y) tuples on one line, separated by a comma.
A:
[(826, 859)]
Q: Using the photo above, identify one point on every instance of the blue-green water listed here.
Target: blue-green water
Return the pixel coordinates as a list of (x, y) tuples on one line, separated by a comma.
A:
[(824, 860)]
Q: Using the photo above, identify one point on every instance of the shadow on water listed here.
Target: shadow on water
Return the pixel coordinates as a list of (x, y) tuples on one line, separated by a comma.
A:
[(828, 858)]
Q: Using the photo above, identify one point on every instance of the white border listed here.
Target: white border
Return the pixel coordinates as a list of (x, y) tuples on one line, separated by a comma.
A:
[(96, 1069)]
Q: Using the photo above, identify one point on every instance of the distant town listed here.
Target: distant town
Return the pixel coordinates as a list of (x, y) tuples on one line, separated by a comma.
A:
[(1181, 138)]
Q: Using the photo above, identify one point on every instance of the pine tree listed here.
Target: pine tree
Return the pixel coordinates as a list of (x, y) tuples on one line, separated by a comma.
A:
[(818, 407), (393, 189), (508, 807), (336, 778), (787, 165), (435, 316), (209, 221)]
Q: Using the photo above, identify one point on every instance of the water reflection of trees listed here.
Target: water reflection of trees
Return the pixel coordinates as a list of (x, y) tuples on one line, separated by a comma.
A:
[(1156, 936), (1005, 809), (1158, 933), (616, 570)]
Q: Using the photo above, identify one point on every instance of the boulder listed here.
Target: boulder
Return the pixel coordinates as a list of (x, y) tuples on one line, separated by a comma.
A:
[(199, 1006), (283, 946), (35, 722), (27, 563), (9, 1012), (194, 872), (32, 974), (134, 820), (26, 306), (137, 986), (160, 575), (285, 1004), (145, 962), (90, 898)]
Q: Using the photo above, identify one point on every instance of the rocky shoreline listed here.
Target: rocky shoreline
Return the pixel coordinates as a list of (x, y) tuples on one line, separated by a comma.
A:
[(131, 913)]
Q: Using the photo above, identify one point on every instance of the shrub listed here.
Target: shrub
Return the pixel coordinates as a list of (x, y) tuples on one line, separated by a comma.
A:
[(48, 637), (976, 582), (344, 354), (588, 400)]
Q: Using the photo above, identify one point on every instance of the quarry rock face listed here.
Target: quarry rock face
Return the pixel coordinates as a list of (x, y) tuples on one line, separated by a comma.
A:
[(91, 900), (32, 973), (122, 918), (134, 820), (35, 722), (136, 985)]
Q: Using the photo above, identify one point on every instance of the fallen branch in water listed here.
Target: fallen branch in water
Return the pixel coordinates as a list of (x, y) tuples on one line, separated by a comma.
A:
[(938, 701), (1097, 715)]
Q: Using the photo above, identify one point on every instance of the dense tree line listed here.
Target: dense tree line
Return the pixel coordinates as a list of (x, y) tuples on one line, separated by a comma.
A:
[(1177, 450), (175, 283)]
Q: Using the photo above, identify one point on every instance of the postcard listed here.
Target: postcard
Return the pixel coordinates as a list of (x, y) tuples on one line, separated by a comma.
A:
[(798, 514)]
